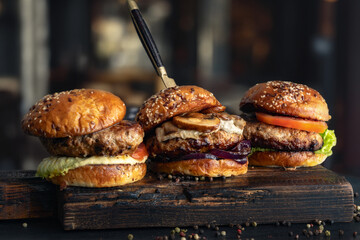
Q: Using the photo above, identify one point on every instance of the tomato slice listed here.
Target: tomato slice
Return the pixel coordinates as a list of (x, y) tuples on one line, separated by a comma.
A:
[(140, 152), (290, 122)]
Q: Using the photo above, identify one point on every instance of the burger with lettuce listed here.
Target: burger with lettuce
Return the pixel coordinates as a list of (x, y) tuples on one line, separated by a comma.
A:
[(89, 142), (286, 125)]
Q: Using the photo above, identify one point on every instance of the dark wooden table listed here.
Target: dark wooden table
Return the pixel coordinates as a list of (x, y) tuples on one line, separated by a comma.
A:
[(50, 228)]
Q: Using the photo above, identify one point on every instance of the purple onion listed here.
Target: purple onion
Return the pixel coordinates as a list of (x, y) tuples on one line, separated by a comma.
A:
[(241, 161), (227, 154), (198, 156), (243, 147)]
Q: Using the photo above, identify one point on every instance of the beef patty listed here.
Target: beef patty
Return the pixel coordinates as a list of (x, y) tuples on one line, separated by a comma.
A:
[(175, 147), (280, 138), (122, 138)]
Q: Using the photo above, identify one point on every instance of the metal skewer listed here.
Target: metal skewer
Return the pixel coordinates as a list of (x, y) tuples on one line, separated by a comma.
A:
[(149, 44)]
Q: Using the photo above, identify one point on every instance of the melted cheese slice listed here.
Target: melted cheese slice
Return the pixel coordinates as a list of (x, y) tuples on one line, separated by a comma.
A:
[(55, 166), (169, 131)]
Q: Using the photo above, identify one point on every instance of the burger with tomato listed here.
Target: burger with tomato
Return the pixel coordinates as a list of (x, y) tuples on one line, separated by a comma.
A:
[(286, 125), (89, 142)]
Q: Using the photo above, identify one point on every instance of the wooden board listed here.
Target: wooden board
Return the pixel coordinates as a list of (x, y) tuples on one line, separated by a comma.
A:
[(263, 195), (22, 195)]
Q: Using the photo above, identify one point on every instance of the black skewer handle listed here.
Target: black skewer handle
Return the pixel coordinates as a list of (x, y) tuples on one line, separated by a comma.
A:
[(146, 39)]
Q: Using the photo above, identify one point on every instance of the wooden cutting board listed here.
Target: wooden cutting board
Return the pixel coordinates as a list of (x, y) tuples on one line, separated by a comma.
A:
[(262, 195)]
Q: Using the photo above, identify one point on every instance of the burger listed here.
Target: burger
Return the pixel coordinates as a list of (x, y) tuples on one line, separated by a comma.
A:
[(188, 133), (286, 125), (89, 142)]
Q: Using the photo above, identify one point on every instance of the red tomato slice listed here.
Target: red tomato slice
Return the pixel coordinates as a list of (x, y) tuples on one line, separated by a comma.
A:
[(140, 152), (290, 122)]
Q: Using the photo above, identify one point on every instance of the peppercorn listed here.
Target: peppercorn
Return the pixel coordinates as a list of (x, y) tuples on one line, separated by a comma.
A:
[(254, 224), (211, 179), (166, 237), (172, 232), (169, 176), (196, 237), (177, 229), (202, 178), (297, 236), (196, 179), (25, 225), (183, 238), (196, 227), (247, 224), (190, 236), (321, 227), (327, 233), (308, 225), (310, 233), (130, 237), (223, 233), (216, 228), (341, 232)]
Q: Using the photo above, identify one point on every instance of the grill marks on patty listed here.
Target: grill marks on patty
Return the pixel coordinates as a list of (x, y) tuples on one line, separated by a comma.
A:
[(280, 138), (122, 138)]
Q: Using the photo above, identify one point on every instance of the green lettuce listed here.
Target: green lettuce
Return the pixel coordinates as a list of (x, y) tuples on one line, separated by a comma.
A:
[(329, 142), (328, 137)]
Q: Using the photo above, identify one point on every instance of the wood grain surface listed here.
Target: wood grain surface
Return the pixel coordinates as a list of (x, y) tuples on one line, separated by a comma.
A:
[(22, 195), (263, 195)]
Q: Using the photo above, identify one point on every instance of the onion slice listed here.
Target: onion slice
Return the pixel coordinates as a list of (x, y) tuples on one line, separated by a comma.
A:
[(197, 156)]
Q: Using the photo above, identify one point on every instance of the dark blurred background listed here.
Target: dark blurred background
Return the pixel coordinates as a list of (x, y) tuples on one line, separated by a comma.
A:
[(225, 46)]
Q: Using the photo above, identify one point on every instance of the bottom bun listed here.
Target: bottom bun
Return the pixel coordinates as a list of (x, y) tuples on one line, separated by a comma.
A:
[(202, 167), (101, 175), (286, 159)]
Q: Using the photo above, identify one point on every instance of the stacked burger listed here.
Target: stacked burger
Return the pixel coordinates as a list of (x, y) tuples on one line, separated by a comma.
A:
[(188, 133), (90, 143), (286, 125)]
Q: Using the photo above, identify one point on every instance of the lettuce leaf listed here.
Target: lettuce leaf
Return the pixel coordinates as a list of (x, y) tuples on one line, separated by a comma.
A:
[(328, 137), (329, 142)]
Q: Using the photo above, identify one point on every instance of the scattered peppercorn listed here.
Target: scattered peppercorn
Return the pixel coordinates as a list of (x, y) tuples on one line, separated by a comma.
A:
[(211, 179), (308, 225), (177, 230), (183, 238), (223, 233), (310, 233), (196, 179), (341, 232), (297, 236), (238, 236), (130, 237), (169, 176), (327, 233), (254, 224), (196, 227), (202, 178), (172, 232), (190, 236), (25, 225), (321, 227), (166, 237), (196, 237), (247, 224)]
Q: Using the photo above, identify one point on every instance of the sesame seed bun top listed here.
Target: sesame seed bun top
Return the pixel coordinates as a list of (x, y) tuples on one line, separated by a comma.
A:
[(286, 98), (174, 101), (73, 113)]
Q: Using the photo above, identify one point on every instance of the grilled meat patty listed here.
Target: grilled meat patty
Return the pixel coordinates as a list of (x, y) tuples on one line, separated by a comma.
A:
[(122, 138), (176, 147), (280, 138)]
